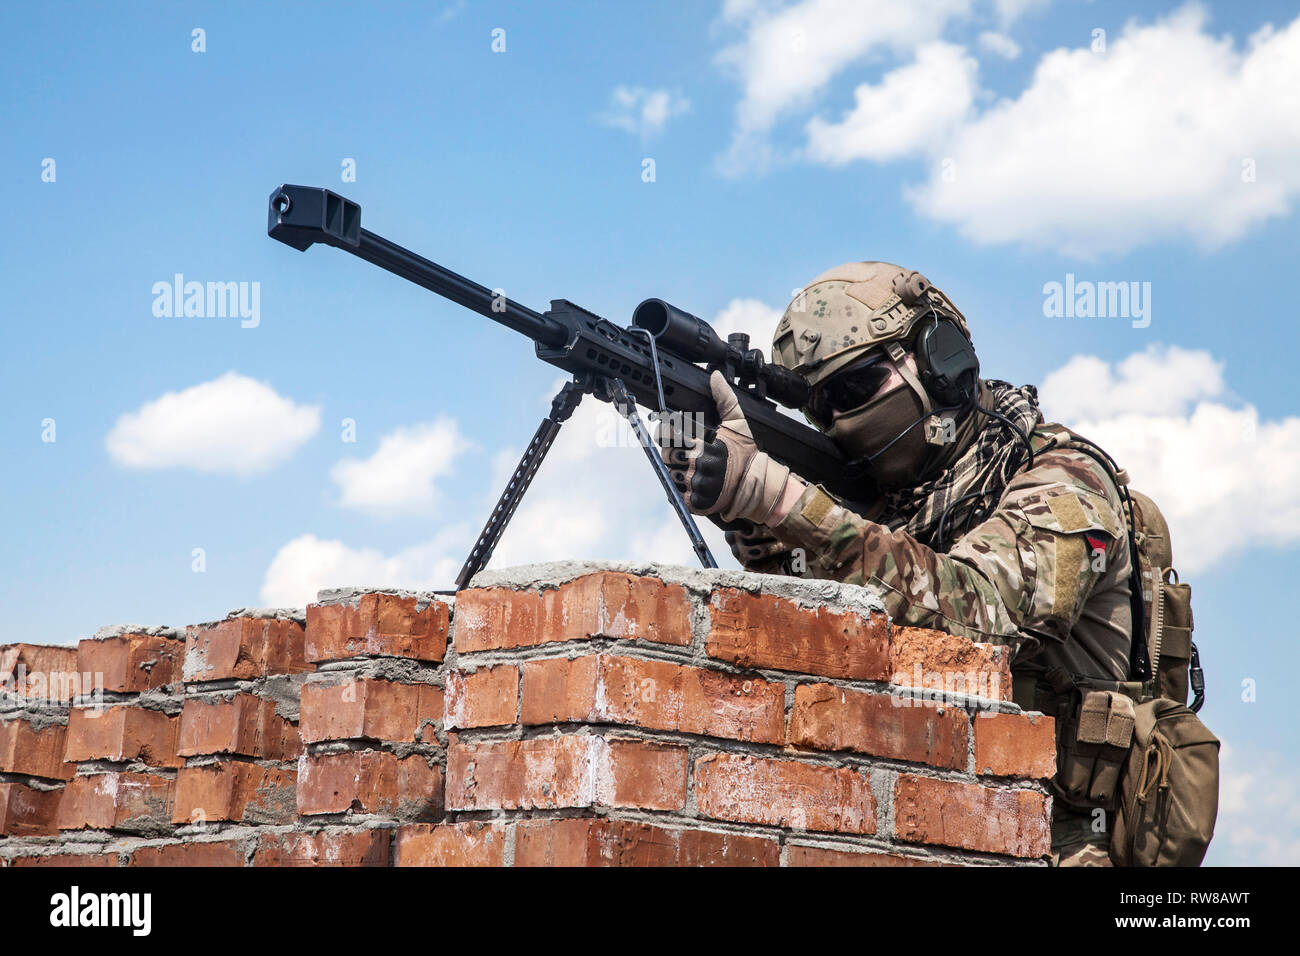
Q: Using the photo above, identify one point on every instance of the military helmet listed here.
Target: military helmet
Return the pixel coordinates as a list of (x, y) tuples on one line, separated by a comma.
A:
[(850, 309)]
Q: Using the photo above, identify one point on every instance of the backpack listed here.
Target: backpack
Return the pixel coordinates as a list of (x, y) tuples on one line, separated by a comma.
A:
[(1168, 794), (1144, 751)]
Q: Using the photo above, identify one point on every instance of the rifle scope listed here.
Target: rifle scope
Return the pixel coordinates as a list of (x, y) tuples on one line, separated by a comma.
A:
[(690, 337)]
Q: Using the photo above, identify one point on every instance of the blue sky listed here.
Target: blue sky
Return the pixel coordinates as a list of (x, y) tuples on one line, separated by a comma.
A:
[(995, 146)]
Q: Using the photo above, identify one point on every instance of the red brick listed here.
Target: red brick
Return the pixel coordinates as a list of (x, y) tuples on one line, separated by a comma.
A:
[(564, 690), (569, 771), (369, 847), (190, 853), (379, 624), (920, 657), (66, 859), (784, 793), (131, 663), (122, 732), (369, 781), (604, 842), (367, 708), (35, 753), (129, 802), (244, 724), (648, 776), (40, 671), (603, 688), (823, 856), (604, 604), (971, 817), (236, 791), (26, 811), (836, 718), (487, 697), (1015, 745), (450, 844), (244, 648), (765, 631)]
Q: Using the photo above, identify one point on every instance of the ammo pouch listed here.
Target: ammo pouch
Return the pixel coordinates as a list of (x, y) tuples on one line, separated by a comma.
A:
[(1169, 634), (1093, 744), (1169, 793)]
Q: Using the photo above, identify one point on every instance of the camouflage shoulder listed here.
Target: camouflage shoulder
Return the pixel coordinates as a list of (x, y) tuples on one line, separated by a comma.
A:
[(1067, 468)]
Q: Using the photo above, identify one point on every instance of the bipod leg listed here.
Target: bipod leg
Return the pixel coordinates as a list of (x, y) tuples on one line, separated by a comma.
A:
[(562, 406), (623, 402)]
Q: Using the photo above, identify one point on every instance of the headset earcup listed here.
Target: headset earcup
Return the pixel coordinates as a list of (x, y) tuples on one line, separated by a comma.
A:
[(948, 364)]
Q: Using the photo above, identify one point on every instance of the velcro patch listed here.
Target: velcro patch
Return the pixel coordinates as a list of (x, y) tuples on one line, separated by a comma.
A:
[(1068, 512), (1070, 560), (818, 507)]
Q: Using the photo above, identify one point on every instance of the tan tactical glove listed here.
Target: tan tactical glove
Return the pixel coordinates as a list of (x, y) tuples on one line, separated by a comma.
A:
[(726, 475)]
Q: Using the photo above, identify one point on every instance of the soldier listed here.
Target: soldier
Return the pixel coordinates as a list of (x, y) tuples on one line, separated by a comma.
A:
[(975, 517)]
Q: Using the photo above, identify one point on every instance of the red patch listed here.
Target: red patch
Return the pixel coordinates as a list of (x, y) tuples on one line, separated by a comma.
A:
[(1098, 544)]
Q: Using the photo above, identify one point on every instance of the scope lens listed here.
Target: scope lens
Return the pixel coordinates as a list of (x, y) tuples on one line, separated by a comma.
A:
[(651, 315)]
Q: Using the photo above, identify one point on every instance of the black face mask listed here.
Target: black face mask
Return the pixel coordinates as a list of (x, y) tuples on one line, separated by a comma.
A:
[(885, 438)]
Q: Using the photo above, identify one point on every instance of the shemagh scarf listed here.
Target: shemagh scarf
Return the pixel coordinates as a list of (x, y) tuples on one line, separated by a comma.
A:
[(969, 489)]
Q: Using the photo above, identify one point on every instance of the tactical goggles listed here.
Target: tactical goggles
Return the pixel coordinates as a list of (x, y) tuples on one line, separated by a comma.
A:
[(850, 388)]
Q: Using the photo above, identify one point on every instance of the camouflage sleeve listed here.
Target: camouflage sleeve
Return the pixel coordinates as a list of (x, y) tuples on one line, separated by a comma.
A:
[(1025, 571)]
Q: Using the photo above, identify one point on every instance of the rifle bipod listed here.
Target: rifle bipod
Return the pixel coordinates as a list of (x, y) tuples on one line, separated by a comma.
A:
[(566, 400)]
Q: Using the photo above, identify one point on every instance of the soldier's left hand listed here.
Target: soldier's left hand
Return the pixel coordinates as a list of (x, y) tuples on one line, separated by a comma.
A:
[(726, 474), (758, 549)]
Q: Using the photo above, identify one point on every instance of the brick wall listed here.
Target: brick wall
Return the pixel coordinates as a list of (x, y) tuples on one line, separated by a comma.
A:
[(571, 714)]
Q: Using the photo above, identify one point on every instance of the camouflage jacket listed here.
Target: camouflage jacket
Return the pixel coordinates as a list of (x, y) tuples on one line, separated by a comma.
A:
[(1047, 572)]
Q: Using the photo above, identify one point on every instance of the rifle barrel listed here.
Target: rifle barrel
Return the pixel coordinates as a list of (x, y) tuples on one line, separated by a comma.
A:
[(451, 285), (302, 215)]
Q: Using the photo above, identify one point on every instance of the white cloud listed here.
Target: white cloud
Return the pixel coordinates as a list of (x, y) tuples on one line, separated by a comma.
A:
[(1159, 381), (1168, 132), (756, 319), (789, 54), (1009, 11), (911, 108), (643, 111), (1146, 141), (308, 564), (1224, 478), (399, 477), (740, 10), (1259, 810), (230, 425), (1000, 44)]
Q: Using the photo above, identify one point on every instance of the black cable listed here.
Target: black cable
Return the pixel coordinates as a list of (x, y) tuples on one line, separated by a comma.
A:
[(1024, 439), (938, 538), (971, 402)]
